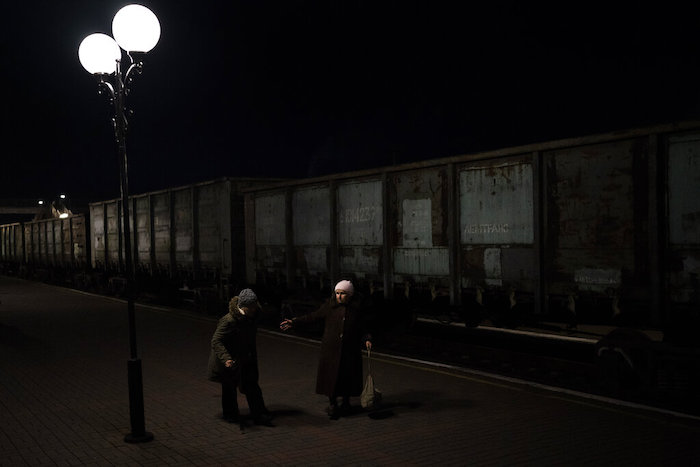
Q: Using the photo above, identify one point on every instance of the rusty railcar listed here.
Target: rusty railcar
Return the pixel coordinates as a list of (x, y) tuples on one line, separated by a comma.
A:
[(599, 229), (11, 243), (190, 236), (47, 249), (57, 242), (11, 248)]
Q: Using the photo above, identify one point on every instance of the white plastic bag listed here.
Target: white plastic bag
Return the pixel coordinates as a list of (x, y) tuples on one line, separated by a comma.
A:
[(371, 396)]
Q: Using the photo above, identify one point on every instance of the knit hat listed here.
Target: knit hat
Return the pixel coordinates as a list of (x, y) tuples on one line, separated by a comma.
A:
[(247, 298), (345, 286)]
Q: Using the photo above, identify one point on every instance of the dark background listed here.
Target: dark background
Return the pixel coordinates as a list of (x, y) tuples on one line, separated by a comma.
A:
[(304, 88)]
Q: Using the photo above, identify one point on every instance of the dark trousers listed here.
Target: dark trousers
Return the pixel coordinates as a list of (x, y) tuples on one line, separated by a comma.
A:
[(253, 394)]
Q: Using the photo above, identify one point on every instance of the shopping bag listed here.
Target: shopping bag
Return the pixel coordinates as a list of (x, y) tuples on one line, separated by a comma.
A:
[(371, 396)]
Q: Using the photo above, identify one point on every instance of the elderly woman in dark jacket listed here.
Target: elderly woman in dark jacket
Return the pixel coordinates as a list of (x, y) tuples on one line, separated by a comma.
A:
[(340, 363), (233, 360)]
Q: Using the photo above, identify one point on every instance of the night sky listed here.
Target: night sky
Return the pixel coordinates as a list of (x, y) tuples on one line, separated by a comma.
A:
[(305, 88)]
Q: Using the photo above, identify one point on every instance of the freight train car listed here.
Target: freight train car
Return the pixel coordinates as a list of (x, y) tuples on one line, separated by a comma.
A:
[(188, 238), (11, 244), (599, 229), (48, 249)]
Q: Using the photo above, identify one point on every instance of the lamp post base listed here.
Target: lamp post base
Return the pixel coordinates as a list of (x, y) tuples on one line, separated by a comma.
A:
[(142, 438), (138, 426)]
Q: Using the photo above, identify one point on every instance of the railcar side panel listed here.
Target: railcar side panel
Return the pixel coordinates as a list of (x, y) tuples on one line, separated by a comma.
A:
[(28, 247), (232, 224), (183, 227), (16, 243), (161, 229), (270, 236), (113, 245), (35, 241), (496, 221), (213, 208), (419, 215), (360, 228), (597, 223), (11, 242), (142, 232), (98, 235), (7, 250), (51, 243), (684, 221), (65, 242), (79, 246), (311, 227)]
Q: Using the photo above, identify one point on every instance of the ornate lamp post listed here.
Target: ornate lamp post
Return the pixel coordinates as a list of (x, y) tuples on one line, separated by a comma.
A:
[(136, 30)]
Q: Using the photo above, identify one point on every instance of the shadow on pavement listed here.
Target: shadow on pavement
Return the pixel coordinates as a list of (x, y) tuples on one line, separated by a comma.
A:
[(286, 413), (14, 337)]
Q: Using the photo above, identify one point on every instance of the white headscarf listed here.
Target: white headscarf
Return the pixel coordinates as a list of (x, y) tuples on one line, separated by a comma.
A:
[(345, 286)]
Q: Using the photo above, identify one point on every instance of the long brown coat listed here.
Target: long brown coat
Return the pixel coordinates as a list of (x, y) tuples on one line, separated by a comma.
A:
[(340, 362)]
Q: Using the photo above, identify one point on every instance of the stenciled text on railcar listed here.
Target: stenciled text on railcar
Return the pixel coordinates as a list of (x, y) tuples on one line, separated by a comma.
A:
[(486, 228), (360, 214)]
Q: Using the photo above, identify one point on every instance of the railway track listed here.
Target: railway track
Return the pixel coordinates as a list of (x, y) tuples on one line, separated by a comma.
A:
[(563, 361)]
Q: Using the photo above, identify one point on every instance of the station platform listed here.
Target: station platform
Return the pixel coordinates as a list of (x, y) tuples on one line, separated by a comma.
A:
[(584, 333), (64, 401)]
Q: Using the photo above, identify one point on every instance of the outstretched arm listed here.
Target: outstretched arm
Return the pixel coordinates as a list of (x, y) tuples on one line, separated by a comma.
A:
[(308, 318)]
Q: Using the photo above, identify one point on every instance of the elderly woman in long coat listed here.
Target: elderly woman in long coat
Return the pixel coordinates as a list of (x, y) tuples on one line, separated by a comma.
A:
[(340, 363), (233, 360)]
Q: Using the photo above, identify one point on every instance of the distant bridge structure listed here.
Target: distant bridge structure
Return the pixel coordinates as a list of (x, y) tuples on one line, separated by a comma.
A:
[(20, 206), (27, 209)]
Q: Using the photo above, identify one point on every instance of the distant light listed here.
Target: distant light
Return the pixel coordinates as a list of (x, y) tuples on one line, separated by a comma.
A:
[(63, 215), (98, 53), (136, 28), (41, 201), (62, 196)]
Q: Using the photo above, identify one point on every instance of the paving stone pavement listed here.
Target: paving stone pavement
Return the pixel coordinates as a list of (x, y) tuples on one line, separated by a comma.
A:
[(64, 401)]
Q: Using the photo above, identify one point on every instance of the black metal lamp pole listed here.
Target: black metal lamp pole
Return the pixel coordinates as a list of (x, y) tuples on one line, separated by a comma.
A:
[(117, 92), (136, 30), (136, 409)]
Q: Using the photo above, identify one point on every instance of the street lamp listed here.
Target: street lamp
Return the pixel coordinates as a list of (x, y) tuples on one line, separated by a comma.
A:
[(136, 30)]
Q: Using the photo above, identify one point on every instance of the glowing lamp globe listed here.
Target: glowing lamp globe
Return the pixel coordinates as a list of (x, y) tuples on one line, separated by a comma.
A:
[(98, 53), (136, 28)]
